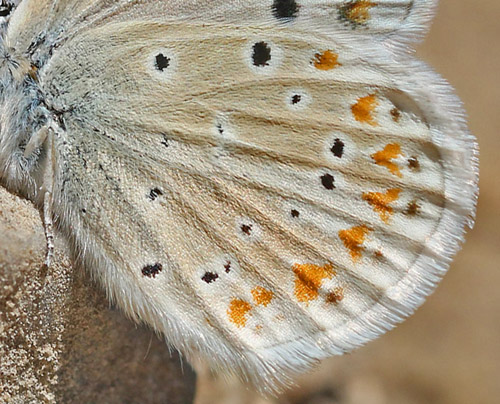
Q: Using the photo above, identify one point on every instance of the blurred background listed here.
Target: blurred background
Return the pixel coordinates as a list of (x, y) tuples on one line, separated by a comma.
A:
[(449, 351)]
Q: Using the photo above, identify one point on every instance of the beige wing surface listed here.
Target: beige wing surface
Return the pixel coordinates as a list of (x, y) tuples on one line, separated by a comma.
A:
[(42, 25), (263, 197)]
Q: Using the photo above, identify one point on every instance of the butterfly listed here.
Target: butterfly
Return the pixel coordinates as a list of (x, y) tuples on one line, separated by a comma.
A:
[(265, 183)]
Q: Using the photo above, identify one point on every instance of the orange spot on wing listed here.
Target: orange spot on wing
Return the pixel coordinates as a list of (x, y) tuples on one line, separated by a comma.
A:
[(364, 108), (262, 296), (237, 312), (359, 11), (384, 157), (326, 60), (309, 278), (380, 202), (353, 239)]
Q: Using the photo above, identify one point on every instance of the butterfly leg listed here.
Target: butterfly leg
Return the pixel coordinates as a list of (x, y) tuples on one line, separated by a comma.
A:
[(36, 141), (47, 189), (48, 227)]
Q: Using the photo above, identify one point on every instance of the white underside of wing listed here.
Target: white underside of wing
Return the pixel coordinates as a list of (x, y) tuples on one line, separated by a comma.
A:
[(396, 22), (264, 198)]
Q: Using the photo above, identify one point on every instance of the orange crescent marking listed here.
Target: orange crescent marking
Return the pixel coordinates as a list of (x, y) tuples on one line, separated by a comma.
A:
[(309, 278), (353, 240), (364, 109), (380, 202)]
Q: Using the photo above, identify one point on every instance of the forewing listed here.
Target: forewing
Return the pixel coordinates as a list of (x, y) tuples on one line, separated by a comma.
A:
[(42, 25), (264, 199)]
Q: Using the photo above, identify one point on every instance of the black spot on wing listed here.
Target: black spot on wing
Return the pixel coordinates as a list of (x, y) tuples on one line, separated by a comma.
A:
[(162, 62), (246, 229), (220, 129), (261, 55), (338, 148), (155, 193), (164, 140), (209, 277), (285, 9), (328, 181), (151, 271)]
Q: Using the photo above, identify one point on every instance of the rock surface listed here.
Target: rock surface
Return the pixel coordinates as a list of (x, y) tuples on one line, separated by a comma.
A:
[(60, 342)]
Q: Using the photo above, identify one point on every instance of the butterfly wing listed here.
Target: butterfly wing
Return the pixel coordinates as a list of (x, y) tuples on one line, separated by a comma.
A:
[(42, 25), (262, 197)]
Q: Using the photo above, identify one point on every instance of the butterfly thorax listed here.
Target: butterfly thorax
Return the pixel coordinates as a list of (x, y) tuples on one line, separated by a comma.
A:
[(22, 115)]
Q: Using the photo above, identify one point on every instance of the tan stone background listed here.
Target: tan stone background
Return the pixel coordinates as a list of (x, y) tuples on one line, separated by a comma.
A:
[(449, 351)]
